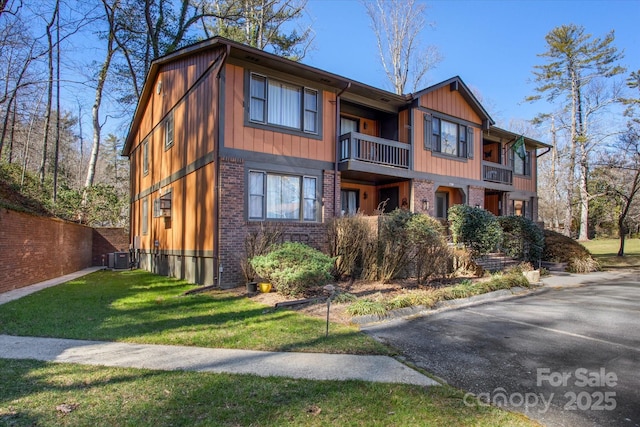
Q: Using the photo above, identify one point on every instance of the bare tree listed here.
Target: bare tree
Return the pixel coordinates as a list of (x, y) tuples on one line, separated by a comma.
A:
[(620, 176), (397, 25), (47, 122), (110, 10)]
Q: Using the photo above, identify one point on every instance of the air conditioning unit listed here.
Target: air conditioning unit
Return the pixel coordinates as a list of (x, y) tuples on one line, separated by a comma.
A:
[(121, 260)]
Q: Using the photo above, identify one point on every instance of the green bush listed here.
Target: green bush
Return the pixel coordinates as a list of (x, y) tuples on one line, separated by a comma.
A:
[(293, 268), (431, 253), (476, 228), (394, 245), (522, 238)]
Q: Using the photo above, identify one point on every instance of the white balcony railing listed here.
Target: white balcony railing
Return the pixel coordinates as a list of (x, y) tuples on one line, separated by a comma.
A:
[(366, 148)]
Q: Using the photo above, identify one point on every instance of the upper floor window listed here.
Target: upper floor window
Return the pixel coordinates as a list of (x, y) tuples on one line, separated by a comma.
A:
[(446, 137), (168, 131), (145, 156), (278, 103), (277, 196), (521, 166)]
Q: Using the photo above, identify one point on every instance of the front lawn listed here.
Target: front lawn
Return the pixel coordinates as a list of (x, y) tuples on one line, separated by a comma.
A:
[(136, 306), (52, 394), (605, 251)]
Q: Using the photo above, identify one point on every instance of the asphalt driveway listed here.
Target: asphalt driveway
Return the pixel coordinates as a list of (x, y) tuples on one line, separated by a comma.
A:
[(565, 357)]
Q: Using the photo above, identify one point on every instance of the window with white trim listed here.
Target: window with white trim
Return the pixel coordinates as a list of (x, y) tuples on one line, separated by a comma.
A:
[(278, 103), (280, 196)]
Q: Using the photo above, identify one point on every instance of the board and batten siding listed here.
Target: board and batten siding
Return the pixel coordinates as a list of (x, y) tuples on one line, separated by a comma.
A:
[(450, 103), (241, 137), (190, 227)]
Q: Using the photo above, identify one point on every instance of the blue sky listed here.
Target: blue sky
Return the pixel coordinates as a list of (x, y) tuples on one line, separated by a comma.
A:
[(491, 45)]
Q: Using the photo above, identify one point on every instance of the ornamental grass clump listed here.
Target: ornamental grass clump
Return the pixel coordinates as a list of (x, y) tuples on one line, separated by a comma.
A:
[(294, 268)]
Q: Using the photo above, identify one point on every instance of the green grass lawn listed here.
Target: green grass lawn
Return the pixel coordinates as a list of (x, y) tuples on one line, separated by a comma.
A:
[(38, 393), (139, 307), (136, 306), (606, 250)]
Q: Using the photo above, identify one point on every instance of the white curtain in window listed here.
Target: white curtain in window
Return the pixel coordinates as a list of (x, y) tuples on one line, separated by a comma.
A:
[(256, 195), (284, 104), (309, 191), (283, 197)]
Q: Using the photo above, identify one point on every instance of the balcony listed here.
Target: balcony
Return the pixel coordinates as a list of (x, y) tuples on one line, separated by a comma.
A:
[(495, 172), (370, 149)]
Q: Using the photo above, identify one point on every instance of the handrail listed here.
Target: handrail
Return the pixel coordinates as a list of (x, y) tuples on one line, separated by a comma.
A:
[(367, 148), (496, 172)]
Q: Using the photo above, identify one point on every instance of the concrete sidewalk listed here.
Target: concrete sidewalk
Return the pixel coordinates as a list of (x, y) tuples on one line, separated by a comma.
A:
[(314, 366), (21, 292), (562, 280)]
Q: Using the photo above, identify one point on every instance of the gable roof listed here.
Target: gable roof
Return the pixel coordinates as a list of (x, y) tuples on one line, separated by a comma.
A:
[(353, 89), (456, 84)]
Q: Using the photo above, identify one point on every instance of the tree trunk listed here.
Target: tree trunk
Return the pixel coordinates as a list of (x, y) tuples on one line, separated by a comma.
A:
[(47, 117), (584, 199), (95, 110), (622, 230)]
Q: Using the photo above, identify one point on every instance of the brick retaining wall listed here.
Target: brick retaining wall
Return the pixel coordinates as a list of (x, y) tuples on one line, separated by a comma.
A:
[(35, 248)]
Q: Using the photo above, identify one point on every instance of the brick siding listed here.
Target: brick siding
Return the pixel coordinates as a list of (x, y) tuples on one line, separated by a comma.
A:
[(423, 190), (476, 196), (234, 227)]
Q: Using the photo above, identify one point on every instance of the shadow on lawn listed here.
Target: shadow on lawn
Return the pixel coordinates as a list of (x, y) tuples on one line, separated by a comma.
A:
[(136, 306), (115, 396)]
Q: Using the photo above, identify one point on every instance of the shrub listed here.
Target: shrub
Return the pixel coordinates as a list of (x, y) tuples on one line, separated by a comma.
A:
[(293, 268), (350, 239), (394, 245), (522, 238), (560, 248), (476, 228), (259, 242), (431, 254)]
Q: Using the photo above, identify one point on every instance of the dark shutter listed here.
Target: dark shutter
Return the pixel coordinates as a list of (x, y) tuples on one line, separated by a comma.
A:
[(470, 142), (428, 131)]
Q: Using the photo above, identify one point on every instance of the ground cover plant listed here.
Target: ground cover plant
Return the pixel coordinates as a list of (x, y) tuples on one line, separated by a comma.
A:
[(429, 297), (137, 306), (53, 394)]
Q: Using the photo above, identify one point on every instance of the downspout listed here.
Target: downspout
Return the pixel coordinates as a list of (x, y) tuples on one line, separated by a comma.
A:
[(335, 167), (544, 152), (217, 268)]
